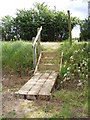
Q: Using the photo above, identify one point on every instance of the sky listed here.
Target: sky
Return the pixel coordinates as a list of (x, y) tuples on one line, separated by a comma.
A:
[(78, 8)]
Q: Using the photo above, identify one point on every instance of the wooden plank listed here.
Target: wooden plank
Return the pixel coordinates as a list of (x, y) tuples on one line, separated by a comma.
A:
[(61, 61), (38, 63), (35, 89), (38, 42), (34, 53), (53, 75), (25, 89), (48, 54), (47, 87), (35, 77), (46, 60), (44, 67), (37, 36)]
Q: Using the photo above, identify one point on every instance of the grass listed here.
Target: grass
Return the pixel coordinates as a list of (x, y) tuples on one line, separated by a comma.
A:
[(17, 56)]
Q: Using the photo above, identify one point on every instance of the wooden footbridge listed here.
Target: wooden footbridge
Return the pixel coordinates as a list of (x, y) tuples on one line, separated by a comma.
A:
[(45, 74)]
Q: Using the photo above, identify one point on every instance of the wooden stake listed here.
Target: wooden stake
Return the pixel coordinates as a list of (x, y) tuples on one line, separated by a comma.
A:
[(69, 25), (34, 54)]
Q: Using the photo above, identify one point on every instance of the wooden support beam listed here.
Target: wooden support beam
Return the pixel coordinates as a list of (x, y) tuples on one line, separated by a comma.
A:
[(69, 26), (34, 54), (61, 62), (38, 42)]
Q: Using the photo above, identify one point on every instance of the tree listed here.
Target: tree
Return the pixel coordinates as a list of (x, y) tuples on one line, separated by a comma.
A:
[(85, 30), (6, 24), (24, 26)]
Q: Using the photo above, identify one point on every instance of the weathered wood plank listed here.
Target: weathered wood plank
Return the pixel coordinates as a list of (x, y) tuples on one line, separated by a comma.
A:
[(38, 63), (49, 54), (35, 77), (48, 60), (37, 36), (48, 85), (44, 67), (61, 61), (34, 53), (35, 89), (38, 42), (25, 89)]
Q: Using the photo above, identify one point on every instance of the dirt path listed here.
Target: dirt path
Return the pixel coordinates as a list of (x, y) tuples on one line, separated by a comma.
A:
[(20, 108), (51, 45)]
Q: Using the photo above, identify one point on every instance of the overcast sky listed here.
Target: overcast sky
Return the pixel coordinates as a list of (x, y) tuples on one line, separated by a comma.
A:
[(78, 8)]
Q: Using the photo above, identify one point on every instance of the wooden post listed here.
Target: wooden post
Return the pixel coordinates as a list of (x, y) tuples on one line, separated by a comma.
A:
[(34, 54), (38, 43), (69, 26)]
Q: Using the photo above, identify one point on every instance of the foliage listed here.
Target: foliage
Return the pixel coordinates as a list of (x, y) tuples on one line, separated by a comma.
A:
[(75, 65), (6, 28), (85, 30), (24, 26)]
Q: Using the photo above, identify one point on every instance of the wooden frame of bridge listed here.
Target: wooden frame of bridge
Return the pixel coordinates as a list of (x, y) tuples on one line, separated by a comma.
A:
[(45, 74)]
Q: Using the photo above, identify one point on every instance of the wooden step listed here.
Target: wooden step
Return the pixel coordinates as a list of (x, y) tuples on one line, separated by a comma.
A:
[(44, 67), (48, 54), (49, 60)]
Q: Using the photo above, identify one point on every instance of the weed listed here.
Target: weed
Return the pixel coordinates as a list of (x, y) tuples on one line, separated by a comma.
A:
[(47, 108), (12, 114), (0, 87)]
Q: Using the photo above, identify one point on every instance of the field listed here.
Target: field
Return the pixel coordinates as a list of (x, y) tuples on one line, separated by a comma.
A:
[(70, 95)]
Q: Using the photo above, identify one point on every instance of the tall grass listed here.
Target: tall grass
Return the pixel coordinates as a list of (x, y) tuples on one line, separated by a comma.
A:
[(17, 56)]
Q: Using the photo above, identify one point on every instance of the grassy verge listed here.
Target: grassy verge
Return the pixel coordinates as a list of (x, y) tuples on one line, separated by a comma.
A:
[(17, 56)]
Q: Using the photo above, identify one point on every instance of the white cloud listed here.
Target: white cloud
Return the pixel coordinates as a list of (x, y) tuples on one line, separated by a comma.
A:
[(76, 6), (76, 32)]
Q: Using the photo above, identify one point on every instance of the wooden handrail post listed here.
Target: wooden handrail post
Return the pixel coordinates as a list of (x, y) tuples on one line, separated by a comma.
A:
[(34, 40), (34, 53), (38, 42), (69, 25)]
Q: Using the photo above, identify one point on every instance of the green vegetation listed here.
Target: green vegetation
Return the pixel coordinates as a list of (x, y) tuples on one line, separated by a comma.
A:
[(85, 29), (75, 64), (17, 56), (0, 87), (24, 26)]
